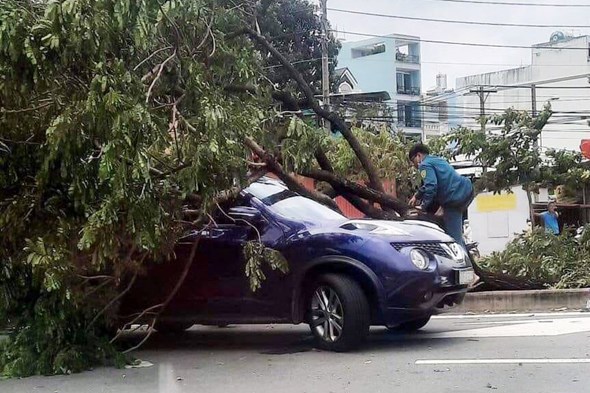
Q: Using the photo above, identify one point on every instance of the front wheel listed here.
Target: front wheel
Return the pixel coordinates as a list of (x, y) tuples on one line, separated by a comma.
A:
[(339, 313), (411, 326)]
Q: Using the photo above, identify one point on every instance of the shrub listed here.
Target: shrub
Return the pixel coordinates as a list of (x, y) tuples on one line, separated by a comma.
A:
[(557, 261)]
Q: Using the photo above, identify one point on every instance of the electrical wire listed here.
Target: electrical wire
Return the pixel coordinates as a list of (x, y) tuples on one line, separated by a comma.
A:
[(518, 4), (529, 85), (455, 21), (459, 43), (443, 63)]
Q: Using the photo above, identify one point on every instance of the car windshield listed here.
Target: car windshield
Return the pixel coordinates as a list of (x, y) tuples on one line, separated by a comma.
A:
[(292, 205), (304, 209)]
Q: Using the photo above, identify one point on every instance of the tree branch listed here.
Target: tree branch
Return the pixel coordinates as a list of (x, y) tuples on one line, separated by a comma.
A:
[(334, 118), (368, 209), (274, 166), (33, 109), (149, 93), (348, 186)]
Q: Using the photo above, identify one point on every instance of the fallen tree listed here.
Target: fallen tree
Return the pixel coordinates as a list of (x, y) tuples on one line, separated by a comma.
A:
[(123, 124)]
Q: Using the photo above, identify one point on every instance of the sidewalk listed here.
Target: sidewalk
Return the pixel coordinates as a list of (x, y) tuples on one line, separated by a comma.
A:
[(523, 301)]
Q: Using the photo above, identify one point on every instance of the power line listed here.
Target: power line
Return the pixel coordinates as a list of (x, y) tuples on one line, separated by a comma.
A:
[(462, 43), (514, 3), (494, 64), (454, 21), (442, 63), (466, 106), (528, 86), (476, 64), (293, 63)]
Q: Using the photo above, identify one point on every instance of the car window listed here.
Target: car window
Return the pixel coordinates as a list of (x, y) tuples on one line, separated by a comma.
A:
[(304, 209), (264, 190), (291, 205), (220, 212)]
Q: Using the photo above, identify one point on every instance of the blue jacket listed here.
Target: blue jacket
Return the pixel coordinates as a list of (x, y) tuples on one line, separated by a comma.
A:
[(442, 184)]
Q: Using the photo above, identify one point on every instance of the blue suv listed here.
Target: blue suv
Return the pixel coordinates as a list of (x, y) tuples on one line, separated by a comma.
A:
[(344, 275)]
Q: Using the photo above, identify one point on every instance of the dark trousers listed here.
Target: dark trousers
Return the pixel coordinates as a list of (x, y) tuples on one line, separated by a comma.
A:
[(453, 219)]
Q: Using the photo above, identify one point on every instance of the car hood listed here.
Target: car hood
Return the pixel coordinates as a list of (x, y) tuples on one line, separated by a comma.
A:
[(397, 231)]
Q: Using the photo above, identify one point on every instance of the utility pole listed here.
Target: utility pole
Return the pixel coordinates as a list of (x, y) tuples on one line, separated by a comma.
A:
[(482, 109), (325, 60), (535, 146), (483, 94), (534, 111)]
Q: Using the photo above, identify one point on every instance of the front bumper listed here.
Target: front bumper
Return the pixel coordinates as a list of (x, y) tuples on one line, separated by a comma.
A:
[(414, 294), (436, 304)]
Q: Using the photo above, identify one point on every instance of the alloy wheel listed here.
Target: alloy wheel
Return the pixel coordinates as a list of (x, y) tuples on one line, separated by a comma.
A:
[(327, 314)]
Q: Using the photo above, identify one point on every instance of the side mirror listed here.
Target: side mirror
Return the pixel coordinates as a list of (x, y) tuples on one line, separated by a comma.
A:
[(245, 213)]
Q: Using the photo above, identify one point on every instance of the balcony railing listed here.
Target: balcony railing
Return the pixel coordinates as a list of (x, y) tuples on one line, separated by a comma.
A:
[(410, 123), (411, 91), (403, 58)]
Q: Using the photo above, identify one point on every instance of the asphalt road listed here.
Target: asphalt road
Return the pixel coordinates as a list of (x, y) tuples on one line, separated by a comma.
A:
[(514, 353)]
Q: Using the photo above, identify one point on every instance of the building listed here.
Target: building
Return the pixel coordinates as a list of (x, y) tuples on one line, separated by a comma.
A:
[(392, 64), (348, 90), (441, 111), (558, 73)]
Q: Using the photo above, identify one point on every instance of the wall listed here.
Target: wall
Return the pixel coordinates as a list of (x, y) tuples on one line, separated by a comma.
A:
[(374, 72), (495, 219), (378, 72)]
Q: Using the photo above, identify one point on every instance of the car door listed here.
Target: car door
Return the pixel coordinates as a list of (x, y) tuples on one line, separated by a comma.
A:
[(227, 269), (216, 286)]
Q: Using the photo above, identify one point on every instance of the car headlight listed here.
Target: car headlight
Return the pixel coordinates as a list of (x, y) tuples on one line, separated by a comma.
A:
[(419, 259)]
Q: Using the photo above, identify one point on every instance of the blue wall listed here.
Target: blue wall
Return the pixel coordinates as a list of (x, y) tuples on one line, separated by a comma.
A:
[(374, 72)]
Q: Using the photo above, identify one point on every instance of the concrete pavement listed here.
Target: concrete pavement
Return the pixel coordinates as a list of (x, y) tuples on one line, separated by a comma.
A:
[(501, 353)]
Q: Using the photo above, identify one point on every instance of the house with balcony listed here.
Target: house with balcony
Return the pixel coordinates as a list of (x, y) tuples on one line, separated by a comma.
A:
[(392, 64), (441, 110)]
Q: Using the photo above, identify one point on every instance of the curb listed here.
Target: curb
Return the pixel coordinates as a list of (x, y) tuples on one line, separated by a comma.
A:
[(545, 300)]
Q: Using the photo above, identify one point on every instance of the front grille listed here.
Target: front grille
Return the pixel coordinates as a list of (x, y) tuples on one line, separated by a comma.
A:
[(433, 248)]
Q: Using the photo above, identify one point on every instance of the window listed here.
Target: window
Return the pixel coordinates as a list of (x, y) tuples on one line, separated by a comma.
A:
[(291, 205), (368, 50), (344, 88), (408, 115), (404, 84), (304, 209), (443, 111)]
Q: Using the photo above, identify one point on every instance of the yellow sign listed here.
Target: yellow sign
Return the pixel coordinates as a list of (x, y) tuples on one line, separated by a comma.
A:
[(495, 203)]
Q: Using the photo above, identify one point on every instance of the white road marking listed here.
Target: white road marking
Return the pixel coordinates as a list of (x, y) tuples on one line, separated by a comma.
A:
[(527, 328), (501, 361), (521, 315)]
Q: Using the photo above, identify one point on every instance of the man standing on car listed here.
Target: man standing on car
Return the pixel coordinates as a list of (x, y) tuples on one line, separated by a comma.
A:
[(442, 186)]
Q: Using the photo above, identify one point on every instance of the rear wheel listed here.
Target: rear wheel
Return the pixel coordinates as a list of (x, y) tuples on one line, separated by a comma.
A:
[(166, 327), (411, 326), (339, 313)]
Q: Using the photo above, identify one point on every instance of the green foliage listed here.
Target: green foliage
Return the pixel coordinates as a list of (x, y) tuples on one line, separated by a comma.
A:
[(512, 154), (300, 143), (294, 27), (257, 255), (557, 261), (114, 116), (388, 152)]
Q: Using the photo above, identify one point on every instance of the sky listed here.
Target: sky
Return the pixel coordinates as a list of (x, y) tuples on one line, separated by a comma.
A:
[(458, 61)]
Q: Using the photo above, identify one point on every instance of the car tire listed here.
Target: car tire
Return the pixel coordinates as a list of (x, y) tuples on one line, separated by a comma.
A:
[(166, 327), (338, 313), (411, 326)]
